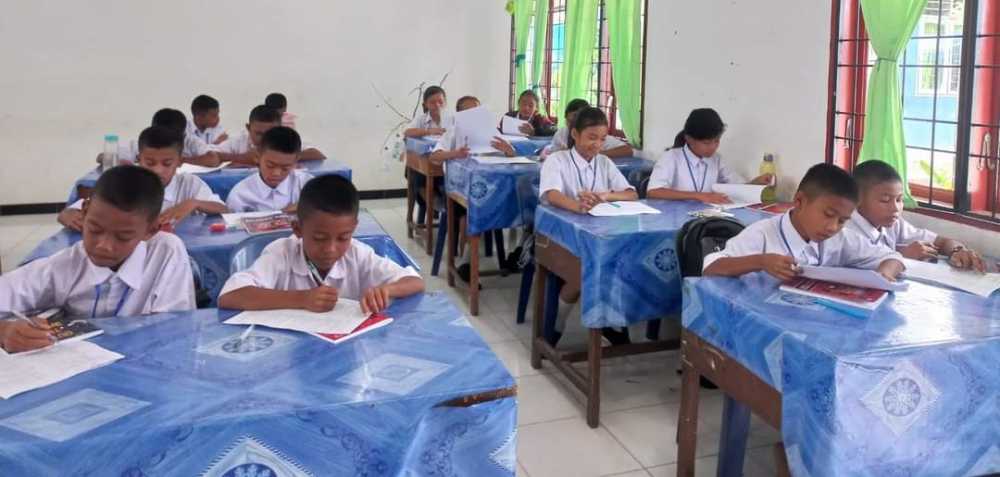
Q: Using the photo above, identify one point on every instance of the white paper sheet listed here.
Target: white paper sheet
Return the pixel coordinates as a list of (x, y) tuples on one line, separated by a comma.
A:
[(748, 194), (499, 160), (235, 219), (196, 169), (853, 276), (345, 317), (26, 371), (941, 273), (476, 128), (621, 208), (512, 126)]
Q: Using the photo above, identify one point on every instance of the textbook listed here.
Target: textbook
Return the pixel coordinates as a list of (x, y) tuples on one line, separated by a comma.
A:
[(373, 322), (274, 222), (836, 293), (943, 274), (854, 277)]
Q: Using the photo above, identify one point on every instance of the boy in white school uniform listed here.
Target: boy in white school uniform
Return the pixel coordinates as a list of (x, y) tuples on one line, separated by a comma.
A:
[(184, 194), (432, 122), (204, 123), (122, 267), (809, 234), (195, 151), (244, 149), (878, 219), (613, 147), (277, 183), (321, 262)]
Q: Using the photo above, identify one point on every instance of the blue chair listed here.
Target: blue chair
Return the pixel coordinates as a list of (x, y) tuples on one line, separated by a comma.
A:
[(248, 250)]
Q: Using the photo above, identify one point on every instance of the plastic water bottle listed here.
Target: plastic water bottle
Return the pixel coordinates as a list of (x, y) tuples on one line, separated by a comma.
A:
[(109, 158), (770, 193)]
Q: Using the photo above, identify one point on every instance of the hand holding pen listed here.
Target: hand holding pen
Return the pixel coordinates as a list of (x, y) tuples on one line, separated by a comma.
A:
[(24, 334)]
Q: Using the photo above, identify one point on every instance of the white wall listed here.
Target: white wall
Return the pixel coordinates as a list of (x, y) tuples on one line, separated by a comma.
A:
[(74, 71), (763, 65)]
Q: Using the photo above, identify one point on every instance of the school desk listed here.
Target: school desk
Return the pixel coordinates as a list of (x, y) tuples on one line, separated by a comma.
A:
[(423, 395), (628, 272), (497, 197), (221, 181), (211, 252), (912, 389)]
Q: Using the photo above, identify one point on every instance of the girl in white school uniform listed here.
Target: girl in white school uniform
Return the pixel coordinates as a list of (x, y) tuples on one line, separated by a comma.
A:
[(577, 179), (432, 121), (688, 170)]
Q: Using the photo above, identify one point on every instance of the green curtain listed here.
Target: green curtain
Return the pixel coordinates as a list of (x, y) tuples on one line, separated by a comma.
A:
[(625, 41), (890, 24), (522, 26), (578, 50), (538, 50)]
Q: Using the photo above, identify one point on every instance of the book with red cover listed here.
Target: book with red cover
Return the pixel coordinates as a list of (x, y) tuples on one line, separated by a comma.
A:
[(269, 223), (373, 322), (857, 297)]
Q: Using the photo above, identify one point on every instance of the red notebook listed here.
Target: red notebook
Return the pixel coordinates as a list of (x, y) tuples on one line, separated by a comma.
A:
[(849, 295), (373, 322)]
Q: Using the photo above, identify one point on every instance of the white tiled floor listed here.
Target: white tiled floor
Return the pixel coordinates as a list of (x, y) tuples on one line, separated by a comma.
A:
[(640, 395)]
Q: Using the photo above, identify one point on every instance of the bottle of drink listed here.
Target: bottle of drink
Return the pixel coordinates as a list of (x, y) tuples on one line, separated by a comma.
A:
[(109, 158), (770, 193)]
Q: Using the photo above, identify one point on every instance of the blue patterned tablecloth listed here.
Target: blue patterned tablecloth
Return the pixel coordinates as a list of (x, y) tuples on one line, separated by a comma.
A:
[(911, 390), (529, 147), (504, 196), (190, 399), (223, 181), (211, 252), (630, 268)]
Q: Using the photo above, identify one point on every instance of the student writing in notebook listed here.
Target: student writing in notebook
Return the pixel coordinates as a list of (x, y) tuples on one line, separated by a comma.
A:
[(245, 148), (195, 151), (432, 121), (578, 179), (879, 219), (688, 170), (613, 147), (204, 122), (278, 181), (452, 147), (184, 194), (527, 110), (279, 102), (321, 262), (122, 267), (812, 233)]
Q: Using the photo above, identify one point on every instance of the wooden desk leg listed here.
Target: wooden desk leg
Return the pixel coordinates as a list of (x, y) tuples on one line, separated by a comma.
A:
[(780, 461), (733, 440), (452, 242), (473, 273), (410, 202), (429, 222), (594, 384), (687, 428), (541, 276)]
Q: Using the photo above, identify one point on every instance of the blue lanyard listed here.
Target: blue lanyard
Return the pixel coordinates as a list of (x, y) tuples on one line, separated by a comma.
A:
[(97, 299), (691, 172), (781, 230), (579, 174)]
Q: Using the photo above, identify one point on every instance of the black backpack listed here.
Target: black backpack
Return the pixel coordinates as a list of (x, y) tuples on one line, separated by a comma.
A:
[(700, 237)]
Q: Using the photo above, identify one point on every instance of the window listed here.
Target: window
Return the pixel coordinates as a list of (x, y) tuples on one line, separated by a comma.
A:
[(950, 85), (602, 92)]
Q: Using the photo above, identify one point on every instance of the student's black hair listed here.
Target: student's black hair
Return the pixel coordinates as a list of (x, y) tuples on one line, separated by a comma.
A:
[(575, 105), (828, 179), (170, 118), (263, 113), (429, 93), (282, 139), (463, 100), (871, 173), (131, 189), (203, 103), (587, 117), (276, 101), (161, 137), (331, 194), (702, 123), (532, 93)]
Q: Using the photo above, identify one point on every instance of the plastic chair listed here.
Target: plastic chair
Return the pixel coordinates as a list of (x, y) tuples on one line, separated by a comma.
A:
[(248, 250)]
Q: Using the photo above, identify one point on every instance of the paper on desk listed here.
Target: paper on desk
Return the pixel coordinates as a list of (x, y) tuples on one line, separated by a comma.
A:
[(475, 128), (499, 160), (27, 371), (853, 276), (621, 208), (740, 194), (342, 319), (433, 138), (512, 126), (941, 273), (196, 169), (235, 219)]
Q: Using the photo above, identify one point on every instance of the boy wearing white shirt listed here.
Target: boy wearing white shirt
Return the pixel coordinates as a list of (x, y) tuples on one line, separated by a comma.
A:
[(447, 148), (809, 234), (195, 151), (613, 147), (277, 183), (245, 148), (878, 219), (321, 262), (184, 194), (204, 123), (122, 267)]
